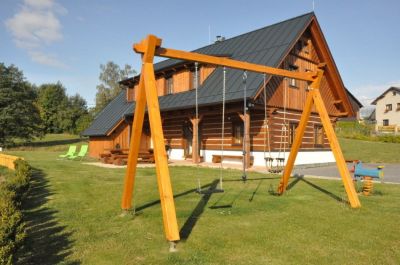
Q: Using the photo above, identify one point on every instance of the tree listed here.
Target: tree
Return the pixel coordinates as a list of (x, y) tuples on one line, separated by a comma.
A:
[(53, 104), (19, 115), (110, 76), (77, 110), (59, 112)]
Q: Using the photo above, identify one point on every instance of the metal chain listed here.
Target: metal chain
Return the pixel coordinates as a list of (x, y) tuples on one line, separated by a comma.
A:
[(223, 125), (244, 121)]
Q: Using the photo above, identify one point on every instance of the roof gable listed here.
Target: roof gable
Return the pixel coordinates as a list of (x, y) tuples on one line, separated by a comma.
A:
[(397, 89)]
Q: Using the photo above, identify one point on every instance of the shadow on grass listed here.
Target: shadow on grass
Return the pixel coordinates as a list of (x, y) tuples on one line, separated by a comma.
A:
[(47, 242), (255, 191), (330, 194), (195, 215), (155, 202)]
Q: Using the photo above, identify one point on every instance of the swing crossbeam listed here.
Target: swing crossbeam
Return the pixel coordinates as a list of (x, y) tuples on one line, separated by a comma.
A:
[(147, 95)]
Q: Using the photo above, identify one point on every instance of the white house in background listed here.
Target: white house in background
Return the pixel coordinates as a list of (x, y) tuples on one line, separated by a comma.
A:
[(387, 112)]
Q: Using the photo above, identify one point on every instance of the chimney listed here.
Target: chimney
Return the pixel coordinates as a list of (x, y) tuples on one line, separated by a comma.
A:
[(219, 38)]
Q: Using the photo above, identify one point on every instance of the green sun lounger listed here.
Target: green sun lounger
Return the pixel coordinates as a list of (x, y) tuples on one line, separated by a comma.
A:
[(82, 153), (71, 152)]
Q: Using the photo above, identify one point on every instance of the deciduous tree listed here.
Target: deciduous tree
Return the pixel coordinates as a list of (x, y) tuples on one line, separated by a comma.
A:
[(19, 115)]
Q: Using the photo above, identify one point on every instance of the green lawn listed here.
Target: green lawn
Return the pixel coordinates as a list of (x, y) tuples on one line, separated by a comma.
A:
[(51, 142), (374, 152), (74, 217)]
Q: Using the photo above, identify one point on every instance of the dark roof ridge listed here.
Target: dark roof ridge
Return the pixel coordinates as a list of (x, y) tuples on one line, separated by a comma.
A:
[(384, 93)]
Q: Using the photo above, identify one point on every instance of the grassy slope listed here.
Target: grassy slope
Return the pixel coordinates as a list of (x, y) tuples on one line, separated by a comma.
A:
[(52, 142), (75, 217), (375, 152)]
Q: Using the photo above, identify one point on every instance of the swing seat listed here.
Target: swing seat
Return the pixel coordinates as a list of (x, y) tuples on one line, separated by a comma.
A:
[(210, 191), (269, 159), (280, 159)]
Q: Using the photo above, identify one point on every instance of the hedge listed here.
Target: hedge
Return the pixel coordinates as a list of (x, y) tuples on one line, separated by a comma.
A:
[(12, 226)]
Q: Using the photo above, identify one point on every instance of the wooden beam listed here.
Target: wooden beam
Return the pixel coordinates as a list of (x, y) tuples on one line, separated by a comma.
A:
[(134, 145), (296, 143), (221, 61), (337, 152), (148, 85)]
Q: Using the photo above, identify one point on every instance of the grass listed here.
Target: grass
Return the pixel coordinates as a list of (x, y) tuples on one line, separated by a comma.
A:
[(373, 152), (74, 217), (51, 142)]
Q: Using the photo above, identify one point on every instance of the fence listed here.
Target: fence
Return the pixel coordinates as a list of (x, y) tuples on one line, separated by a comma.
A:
[(8, 161), (388, 129)]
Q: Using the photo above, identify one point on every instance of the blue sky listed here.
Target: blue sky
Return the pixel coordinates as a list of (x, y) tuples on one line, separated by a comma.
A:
[(55, 40)]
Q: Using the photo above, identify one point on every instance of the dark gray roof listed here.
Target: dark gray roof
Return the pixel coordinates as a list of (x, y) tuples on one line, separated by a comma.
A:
[(265, 46), (109, 116)]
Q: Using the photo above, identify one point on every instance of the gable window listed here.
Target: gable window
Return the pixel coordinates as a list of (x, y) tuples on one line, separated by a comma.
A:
[(385, 122), (169, 84), (318, 136), (388, 107), (193, 78), (292, 81), (299, 46), (394, 93), (292, 132), (237, 133), (306, 47)]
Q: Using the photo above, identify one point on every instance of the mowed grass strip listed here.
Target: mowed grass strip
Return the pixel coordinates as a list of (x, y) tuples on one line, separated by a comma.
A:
[(372, 152), (247, 224)]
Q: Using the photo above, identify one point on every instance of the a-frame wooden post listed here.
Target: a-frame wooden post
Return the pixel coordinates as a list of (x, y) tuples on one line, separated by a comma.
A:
[(314, 98), (195, 141), (148, 94)]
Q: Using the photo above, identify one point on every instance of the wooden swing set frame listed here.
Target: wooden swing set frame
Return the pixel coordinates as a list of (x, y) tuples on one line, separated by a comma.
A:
[(147, 94)]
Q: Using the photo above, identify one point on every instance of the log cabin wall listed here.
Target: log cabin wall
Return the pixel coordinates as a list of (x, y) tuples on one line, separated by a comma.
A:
[(120, 136), (211, 126), (182, 80)]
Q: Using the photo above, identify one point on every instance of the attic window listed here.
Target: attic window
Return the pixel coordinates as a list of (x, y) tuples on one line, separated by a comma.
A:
[(394, 93), (292, 81), (169, 85), (306, 47)]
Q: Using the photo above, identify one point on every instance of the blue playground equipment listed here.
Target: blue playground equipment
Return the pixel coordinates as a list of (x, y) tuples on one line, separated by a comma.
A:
[(366, 174), (360, 171)]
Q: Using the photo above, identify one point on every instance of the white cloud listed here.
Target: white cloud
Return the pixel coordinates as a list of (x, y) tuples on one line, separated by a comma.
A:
[(46, 59), (35, 26)]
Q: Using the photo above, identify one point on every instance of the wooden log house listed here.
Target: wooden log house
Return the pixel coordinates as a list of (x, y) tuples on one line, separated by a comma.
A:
[(296, 44)]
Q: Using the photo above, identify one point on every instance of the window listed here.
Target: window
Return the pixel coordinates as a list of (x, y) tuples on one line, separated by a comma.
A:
[(169, 85), (237, 133), (306, 47), (299, 46), (292, 132), (385, 122), (318, 136), (388, 107), (292, 81), (394, 93), (193, 78), (398, 106)]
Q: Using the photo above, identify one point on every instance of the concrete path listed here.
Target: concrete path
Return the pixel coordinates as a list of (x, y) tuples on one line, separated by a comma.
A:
[(391, 171)]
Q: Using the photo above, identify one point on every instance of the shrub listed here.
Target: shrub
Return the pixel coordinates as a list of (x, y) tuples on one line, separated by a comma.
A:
[(12, 227)]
